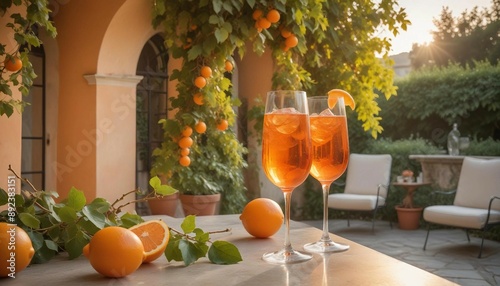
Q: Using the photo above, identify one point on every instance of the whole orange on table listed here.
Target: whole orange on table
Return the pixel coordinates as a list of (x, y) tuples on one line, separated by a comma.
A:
[(115, 251), (262, 217), (16, 249)]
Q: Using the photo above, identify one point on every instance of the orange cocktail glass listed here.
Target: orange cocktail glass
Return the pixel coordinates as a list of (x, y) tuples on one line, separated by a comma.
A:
[(330, 145), (286, 156)]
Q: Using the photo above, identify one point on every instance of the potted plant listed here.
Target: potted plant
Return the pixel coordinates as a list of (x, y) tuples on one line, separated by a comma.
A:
[(408, 214)]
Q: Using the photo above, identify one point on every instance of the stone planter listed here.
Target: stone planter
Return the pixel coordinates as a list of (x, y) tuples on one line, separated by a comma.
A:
[(409, 218), (166, 205), (199, 205)]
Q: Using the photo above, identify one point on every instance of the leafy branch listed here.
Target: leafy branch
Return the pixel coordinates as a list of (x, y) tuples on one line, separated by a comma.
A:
[(24, 27), (69, 224)]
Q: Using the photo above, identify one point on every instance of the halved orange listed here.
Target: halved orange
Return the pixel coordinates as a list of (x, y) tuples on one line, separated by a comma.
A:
[(154, 235), (334, 94)]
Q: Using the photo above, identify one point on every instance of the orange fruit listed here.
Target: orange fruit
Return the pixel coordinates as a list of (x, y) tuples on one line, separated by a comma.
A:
[(222, 125), (258, 27), (154, 235), (13, 64), (185, 142), (228, 65), (334, 94), (206, 71), (198, 98), (257, 14), (115, 251), (285, 33), (273, 16), (200, 82), (264, 23), (185, 161), (262, 217), (200, 127), (187, 131), (12, 236), (185, 151), (291, 41)]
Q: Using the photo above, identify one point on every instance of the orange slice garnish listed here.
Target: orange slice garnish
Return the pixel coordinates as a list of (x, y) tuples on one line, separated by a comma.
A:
[(334, 94), (154, 235)]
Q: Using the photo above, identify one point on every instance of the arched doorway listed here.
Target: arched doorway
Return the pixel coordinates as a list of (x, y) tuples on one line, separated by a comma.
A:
[(152, 98)]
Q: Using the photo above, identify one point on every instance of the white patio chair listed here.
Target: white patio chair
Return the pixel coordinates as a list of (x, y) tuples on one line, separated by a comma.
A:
[(477, 200), (366, 186)]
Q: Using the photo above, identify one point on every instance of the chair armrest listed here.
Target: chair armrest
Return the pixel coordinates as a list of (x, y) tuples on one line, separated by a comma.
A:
[(444, 192), (382, 186), (489, 208)]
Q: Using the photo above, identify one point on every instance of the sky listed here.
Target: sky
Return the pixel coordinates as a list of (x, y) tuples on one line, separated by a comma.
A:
[(421, 14)]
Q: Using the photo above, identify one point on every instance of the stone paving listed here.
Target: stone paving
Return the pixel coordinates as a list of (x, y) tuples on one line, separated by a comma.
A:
[(448, 252)]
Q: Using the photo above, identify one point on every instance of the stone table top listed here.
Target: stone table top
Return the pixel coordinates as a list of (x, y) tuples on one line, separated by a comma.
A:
[(359, 265)]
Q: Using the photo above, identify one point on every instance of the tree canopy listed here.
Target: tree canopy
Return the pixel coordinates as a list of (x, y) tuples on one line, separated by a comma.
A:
[(472, 36)]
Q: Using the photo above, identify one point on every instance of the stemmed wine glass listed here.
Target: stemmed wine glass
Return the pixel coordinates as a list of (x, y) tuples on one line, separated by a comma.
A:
[(330, 150), (286, 156)]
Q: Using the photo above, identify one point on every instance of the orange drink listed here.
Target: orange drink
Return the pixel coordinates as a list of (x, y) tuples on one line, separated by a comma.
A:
[(330, 153), (330, 147), (286, 154)]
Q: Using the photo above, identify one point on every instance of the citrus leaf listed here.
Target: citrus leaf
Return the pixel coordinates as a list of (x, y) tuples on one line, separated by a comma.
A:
[(67, 214), (172, 252), (97, 218), (128, 220), (100, 205), (188, 224), (51, 245), (76, 199), (223, 252), (201, 236), (190, 253), (29, 220), (74, 246)]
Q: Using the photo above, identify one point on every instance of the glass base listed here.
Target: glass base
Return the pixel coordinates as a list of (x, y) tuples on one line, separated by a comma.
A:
[(325, 246), (285, 257)]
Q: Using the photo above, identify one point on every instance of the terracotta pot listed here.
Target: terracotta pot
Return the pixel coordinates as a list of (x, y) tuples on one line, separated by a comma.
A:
[(199, 205), (409, 218), (166, 205)]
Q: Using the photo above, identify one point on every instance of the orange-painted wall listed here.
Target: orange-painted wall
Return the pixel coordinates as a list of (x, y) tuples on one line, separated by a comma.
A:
[(10, 127), (81, 27)]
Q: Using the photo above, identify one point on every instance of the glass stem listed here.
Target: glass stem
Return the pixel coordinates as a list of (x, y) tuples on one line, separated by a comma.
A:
[(288, 199), (326, 191)]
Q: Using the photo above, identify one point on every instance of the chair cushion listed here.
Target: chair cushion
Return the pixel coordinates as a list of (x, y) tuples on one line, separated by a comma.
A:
[(366, 172), (458, 216), (479, 181), (354, 202)]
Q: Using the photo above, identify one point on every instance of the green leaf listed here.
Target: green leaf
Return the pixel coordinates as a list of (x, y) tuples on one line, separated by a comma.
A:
[(93, 215), (67, 214), (221, 35), (51, 245), (188, 224), (190, 253), (172, 252), (128, 220), (29, 220), (163, 190), (100, 205), (201, 236), (76, 199), (74, 246), (223, 252)]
